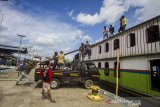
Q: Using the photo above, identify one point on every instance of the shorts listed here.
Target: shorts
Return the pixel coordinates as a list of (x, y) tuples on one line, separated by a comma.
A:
[(46, 86)]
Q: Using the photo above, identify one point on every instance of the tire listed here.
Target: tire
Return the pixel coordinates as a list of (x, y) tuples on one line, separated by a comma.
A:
[(88, 83), (55, 83)]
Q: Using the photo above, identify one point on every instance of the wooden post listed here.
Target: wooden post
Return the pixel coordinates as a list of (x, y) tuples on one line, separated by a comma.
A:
[(117, 68)]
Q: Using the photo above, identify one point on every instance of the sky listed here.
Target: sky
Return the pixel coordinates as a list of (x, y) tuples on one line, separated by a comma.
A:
[(54, 25)]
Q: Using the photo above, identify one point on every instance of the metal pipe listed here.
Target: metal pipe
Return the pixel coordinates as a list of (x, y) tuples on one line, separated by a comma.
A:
[(71, 52)]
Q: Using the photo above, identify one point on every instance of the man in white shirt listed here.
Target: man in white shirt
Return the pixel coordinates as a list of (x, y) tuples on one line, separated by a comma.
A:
[(105, 33)]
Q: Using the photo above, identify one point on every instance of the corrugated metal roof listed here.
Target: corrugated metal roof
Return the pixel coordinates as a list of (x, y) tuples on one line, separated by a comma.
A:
[(12, 49)]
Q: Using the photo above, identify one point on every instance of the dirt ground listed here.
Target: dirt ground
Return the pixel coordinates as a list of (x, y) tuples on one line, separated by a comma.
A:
[(25, 95)]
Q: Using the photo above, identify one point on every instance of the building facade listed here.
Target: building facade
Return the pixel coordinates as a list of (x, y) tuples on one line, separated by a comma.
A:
[(139, 67)]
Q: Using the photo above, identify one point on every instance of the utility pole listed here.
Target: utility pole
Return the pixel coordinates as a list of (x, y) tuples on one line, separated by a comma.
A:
[(33, 52), (21, 36)]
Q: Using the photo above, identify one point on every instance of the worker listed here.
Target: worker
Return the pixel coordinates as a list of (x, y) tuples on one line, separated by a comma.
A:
[(111, 30), (123, 23), (55, 63), (60, 57), (25, 71), (88, 49), (105, 33), (47, 78), (81, 51)]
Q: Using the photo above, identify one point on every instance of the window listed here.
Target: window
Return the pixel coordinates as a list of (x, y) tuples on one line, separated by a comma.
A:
[(91, 66), (106, 70), (99, 49), (107, 47), (153, 34), (116, 44), (99, 65), (83, 66), (86, 67), (115, 66), (132, 39)]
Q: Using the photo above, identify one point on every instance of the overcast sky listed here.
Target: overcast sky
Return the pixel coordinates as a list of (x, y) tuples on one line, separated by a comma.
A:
[(54, 25)]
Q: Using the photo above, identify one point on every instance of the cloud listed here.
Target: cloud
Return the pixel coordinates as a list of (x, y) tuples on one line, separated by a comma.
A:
[(109, 12), (70, 13), (98, 40), (86, 37), (46, 35), (149, 10), (112, 10)]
